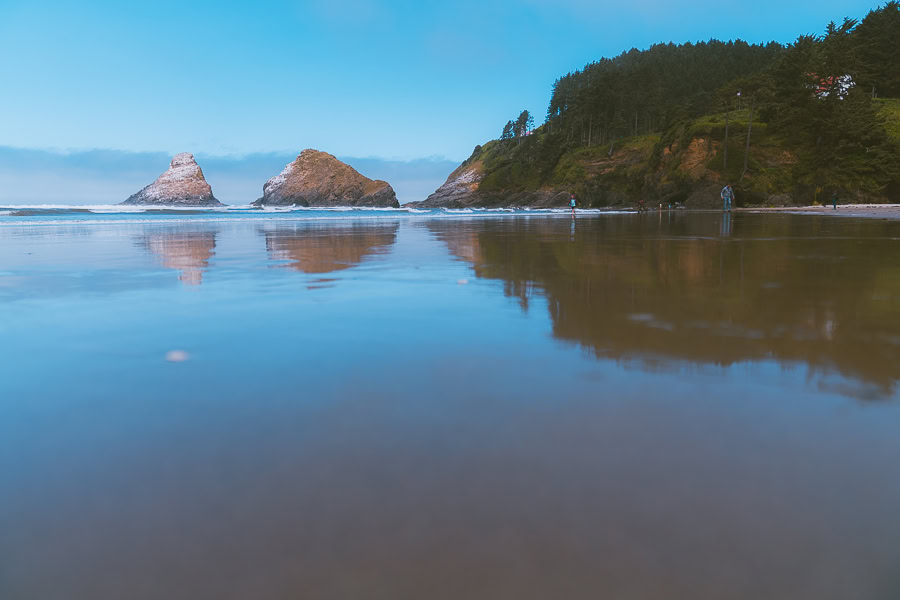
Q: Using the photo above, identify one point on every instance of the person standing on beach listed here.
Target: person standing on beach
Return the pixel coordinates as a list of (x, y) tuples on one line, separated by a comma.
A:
[(573, 203), (834, 200), (727, 196)]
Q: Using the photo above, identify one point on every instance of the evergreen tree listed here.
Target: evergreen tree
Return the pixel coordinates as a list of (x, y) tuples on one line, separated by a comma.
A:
[(523, 124), (876, 44), (648, 91)]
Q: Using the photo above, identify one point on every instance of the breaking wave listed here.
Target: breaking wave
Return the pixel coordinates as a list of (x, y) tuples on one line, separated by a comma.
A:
[(39, 214)]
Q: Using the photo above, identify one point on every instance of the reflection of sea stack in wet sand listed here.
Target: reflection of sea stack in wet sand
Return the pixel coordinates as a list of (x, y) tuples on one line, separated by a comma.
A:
[(187, 252), (182, 184), (318, 179), (317, 250)]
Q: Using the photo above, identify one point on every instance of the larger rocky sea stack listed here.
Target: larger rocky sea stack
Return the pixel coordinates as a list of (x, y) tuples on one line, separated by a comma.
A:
[(319, 179), (182, 184)]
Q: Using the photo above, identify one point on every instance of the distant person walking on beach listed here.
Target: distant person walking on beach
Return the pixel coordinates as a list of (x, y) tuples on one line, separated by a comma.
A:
[(573, 203), (834, 200), (727, 196)]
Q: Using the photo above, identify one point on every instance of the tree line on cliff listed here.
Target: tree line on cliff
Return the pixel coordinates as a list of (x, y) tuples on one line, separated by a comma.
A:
[(645, 91), (821, 94)]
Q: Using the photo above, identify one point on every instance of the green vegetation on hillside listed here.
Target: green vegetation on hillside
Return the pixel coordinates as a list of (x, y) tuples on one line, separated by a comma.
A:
[(889, 109), (822, 115)]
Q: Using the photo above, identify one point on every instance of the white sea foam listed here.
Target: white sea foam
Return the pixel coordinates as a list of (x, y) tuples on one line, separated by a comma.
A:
[(278, 209), (173, 221), (126, 209), (314, 208), (111, 214), (118, 208), (388, 209)]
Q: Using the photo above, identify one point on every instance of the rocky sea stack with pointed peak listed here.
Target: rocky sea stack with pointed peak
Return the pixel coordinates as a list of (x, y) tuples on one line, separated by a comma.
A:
[(182, 184), (319, 179)]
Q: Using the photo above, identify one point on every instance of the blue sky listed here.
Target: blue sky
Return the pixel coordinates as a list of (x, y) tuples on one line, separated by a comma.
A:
[(400, 80)]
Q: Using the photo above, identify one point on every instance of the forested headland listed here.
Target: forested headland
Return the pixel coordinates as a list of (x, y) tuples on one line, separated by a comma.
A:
[(784, 124)]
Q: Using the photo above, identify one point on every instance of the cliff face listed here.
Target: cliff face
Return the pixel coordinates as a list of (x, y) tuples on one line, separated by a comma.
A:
[(463, 189), (182, 184), (684, 165), (460, 189), (318, 179), (514, 174)]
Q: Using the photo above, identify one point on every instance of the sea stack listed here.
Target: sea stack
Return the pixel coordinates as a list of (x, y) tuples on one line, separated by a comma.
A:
[(182, 184), (319, 179)]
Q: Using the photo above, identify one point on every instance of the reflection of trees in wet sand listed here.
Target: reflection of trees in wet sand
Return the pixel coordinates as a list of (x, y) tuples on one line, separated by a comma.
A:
[(635, 289), (186, 251), (322, 249)]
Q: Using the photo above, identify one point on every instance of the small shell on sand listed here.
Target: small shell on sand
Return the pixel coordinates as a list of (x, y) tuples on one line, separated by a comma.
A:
[(177, 356)]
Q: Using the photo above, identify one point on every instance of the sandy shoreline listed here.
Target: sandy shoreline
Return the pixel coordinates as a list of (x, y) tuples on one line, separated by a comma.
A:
[(872, 211)]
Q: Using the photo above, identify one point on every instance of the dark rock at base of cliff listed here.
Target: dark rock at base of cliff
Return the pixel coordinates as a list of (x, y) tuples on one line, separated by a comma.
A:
[(707, 196), (781, 200), (539, 199)]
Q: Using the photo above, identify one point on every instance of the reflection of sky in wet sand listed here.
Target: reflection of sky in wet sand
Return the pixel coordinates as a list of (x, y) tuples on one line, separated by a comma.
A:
[(188, 252), (659, 412)]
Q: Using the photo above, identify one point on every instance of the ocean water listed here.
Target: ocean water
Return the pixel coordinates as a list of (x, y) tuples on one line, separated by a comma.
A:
[(448, 404)]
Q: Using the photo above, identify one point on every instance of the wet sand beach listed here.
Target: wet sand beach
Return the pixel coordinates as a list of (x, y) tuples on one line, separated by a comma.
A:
[(869, 211), (655, 406)]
